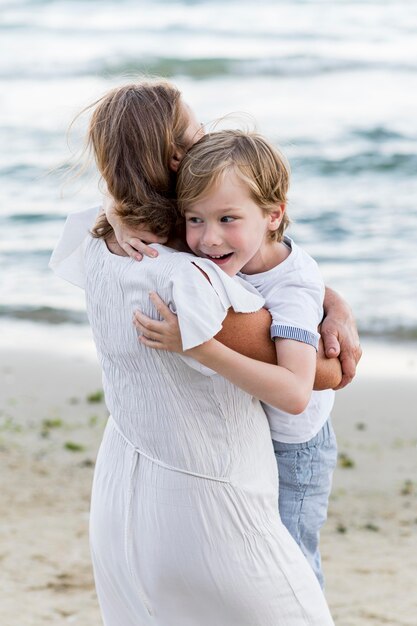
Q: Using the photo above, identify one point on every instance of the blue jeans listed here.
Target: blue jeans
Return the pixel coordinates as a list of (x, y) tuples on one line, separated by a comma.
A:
[(305, 480)]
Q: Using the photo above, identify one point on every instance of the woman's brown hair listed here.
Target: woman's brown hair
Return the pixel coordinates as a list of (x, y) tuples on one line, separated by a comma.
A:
[(133, 133), (262, 167)]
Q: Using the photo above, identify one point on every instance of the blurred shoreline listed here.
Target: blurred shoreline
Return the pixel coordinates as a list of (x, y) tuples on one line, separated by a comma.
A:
[(46, 316), (383, 356)]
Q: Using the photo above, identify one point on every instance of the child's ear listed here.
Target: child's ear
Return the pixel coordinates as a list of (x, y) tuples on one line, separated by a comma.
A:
[(175, 159), (275, 217)]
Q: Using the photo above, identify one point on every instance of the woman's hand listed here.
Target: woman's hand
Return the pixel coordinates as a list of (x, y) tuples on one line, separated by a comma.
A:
[(160, 335), (134, 241), (340, 335)]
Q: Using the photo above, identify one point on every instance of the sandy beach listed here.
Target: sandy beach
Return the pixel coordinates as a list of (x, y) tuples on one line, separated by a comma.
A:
[(51, 419)]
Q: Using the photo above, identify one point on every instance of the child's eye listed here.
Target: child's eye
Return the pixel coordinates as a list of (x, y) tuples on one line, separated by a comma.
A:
[(227, 219), (194, 220)]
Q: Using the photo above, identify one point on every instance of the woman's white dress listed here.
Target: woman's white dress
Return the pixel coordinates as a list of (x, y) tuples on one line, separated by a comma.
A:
[(184, 524)]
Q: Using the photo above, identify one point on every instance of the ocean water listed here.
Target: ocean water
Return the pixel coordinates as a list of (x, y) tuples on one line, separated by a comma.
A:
[(334, 83)]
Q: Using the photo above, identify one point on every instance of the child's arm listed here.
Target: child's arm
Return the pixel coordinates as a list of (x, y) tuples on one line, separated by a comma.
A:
[(340, 336), (287, 386), (246, 333), (249, 334)]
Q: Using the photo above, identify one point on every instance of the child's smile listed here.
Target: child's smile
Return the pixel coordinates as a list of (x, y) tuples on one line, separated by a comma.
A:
[(229, 228)]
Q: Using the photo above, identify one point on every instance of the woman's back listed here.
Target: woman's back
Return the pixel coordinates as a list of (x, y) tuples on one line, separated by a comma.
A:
[(171, 411), (184, 527)]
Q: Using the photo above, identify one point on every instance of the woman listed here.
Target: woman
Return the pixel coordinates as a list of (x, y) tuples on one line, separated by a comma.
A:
[(184, 526)]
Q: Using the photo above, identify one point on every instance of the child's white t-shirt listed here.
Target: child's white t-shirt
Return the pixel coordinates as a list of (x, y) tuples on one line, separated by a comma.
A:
[(294, 293)]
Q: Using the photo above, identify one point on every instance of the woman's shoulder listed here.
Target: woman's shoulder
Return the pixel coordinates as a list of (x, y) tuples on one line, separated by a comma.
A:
[(200, 294), (191, 279), (168, 263), (194, 276), (67, 259)]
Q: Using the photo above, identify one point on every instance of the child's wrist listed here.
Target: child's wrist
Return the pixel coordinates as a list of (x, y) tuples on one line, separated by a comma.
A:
[(204, 352)]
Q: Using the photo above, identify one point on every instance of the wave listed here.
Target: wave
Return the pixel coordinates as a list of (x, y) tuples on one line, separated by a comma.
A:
[(292, 66), (378, 161), (404, 164), (379, 134), (403, 333), (37, 218), (43, 314), (204, 67), (19, 253), (49, 315), (50, 174), (23, 172)]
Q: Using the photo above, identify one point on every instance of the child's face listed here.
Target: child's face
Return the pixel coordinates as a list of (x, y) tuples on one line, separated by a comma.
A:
[(229, 228)]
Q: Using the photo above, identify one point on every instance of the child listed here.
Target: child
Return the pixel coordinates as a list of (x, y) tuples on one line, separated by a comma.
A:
[(232, 190)]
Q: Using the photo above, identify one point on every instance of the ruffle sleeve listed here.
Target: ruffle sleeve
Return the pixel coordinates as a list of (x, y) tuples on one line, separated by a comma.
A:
[(201, 300), (67, 260)]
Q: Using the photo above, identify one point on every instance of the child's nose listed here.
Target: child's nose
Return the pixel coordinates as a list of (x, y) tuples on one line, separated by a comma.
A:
[(211, 236)]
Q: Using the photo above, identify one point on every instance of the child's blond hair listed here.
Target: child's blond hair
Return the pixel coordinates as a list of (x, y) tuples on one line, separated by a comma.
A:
[(263, 168)]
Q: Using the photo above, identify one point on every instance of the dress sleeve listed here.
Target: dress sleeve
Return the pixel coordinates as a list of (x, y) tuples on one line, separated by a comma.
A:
[(201, 297), (67, 260)]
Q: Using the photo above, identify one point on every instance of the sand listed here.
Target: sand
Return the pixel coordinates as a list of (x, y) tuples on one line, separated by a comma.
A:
[(49, 436)]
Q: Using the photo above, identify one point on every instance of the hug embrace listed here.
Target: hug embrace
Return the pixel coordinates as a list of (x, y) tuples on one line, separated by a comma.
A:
[(213, 477)]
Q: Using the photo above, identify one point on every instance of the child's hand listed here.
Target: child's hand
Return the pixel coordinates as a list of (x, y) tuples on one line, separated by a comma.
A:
[(134, 240), (162, 335), (133, 244)]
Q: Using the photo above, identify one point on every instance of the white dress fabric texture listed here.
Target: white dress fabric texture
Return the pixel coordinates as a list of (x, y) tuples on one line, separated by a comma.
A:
[(184, 525)]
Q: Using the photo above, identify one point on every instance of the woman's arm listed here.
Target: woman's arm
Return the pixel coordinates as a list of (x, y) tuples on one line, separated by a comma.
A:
[(287, 386), (340, 335), (328, 371), (338, 330), (249, 334)]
